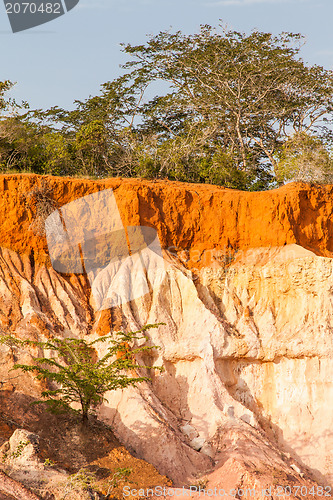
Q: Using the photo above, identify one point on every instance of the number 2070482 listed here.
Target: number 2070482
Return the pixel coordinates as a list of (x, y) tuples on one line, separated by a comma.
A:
[(303, 491), (32, 8)]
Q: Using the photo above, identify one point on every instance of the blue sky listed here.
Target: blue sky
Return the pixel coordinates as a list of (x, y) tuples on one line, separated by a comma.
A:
[(70, 57)]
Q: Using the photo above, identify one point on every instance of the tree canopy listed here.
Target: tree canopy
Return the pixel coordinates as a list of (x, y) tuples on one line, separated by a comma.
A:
[(230, 104)]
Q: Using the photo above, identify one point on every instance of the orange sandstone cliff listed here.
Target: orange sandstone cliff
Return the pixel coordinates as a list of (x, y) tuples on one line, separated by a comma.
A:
[(186, 216), (245, 400)]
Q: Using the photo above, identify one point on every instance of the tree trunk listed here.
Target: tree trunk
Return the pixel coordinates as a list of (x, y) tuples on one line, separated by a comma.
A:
[(241, 143), (84, 416), (15, 489)]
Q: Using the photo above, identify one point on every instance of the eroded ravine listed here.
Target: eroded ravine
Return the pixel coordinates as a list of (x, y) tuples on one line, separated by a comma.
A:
[(247, 340)]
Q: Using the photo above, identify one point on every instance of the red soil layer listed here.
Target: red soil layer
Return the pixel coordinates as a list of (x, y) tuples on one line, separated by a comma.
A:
[(195, 217)]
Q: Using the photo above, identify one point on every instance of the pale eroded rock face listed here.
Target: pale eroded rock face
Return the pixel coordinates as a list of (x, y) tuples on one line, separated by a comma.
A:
[(235, 364), (286, 299), (246, 347), (247, 351)]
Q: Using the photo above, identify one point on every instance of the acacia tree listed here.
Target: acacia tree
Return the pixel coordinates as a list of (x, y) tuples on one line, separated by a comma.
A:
[(79, 375), (231, 93)]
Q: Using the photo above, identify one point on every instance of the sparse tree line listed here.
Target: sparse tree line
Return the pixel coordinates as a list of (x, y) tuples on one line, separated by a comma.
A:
[(242, 111)]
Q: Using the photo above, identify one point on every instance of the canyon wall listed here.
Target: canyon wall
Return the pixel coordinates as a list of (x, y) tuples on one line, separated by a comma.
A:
[(246, 395)]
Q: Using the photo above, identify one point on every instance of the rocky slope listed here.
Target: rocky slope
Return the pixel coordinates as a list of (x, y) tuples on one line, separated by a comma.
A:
[(245, 293)]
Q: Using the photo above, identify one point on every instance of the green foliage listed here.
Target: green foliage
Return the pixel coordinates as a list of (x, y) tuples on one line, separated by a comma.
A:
[(20, 447), (9, 341), (48, 462), (5, 86), (21, 146), (222, 169), (91, 147), (232, 97), (304, 158), (80, 376), (119, 476), (80, 481), (57, 159), (231, 106)]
